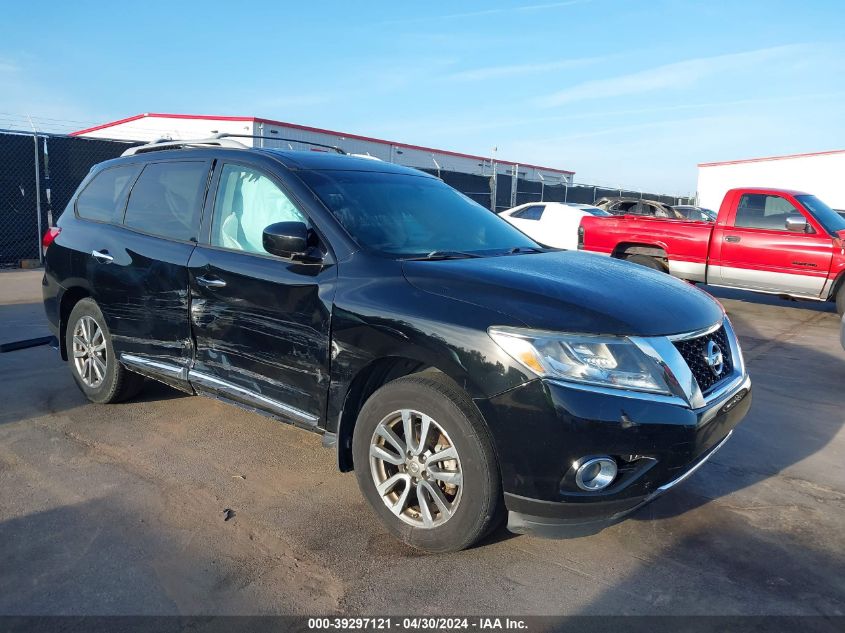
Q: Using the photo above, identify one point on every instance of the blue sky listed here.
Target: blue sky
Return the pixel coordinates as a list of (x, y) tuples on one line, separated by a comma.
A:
[(624, 92)]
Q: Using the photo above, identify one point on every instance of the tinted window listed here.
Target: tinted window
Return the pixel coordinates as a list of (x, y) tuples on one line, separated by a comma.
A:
[(405, 215), (105, 196), (595, 211), (696, 213), (762, 211), (827, 217), (246, 203), (626, 207), (167, 199), (534, 212)]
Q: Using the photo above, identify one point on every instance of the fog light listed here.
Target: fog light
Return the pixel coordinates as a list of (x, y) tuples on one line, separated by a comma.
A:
[(596, 473)]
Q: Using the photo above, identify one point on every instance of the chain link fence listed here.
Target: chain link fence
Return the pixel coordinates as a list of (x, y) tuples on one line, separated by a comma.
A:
[(39, 173), (510, 192)]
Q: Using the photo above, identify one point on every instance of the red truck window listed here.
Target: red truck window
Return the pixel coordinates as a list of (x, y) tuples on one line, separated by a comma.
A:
[(764, 211)]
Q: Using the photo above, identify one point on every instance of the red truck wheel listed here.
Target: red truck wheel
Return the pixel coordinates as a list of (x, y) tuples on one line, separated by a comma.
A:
[(648, 262)]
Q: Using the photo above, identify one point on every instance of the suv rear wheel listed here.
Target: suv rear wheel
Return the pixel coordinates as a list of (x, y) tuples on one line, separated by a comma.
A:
[(93, 364), (425, 463)]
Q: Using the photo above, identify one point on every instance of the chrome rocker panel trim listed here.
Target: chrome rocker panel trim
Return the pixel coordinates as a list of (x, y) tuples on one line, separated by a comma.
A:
[(202, 382), (199, 379), (154, 367)]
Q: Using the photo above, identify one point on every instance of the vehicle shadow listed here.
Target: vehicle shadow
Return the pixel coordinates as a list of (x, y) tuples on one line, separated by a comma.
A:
[(36, 382), (21, 321), (155, 391), (720, 565), (748, 296)]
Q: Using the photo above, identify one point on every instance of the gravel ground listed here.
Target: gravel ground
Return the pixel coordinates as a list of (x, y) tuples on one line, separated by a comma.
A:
[(120, 509)]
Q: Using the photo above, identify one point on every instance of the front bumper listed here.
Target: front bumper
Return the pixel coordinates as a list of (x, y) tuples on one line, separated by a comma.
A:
[(521, 523), (657, 444)]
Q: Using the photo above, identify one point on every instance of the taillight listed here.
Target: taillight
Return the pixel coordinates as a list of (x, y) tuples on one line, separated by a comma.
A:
[(50, 236)]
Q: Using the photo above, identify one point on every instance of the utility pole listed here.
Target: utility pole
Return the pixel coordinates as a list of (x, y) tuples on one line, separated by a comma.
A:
[(493, 182)]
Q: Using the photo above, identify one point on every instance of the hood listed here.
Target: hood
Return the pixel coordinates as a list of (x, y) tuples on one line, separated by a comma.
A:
[(571, 291)]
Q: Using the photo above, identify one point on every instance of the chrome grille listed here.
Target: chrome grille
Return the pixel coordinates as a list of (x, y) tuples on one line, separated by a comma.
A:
[(694, 352)]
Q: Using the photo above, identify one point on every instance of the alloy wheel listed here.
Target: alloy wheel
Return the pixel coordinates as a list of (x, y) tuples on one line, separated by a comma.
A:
[(416, 468), (89, 352)]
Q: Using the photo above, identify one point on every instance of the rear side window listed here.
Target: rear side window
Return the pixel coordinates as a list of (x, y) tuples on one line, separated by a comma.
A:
[(167, 199), (104, 197), (534, 212)]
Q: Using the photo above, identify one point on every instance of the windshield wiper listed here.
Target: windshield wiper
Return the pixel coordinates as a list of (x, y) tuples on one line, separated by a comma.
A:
[(525, 249), (445, 255)]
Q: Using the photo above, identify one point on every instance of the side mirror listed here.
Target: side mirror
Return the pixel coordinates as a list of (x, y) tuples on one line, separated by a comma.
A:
[(286, 239), (796, 223)]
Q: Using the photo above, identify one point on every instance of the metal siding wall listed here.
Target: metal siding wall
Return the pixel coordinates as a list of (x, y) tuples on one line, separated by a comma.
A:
[(820, 175), (419, 159)]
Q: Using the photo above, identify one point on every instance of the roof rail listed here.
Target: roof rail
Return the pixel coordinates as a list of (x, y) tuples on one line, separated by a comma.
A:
[(165, 143), (223, 139), (224, 135)]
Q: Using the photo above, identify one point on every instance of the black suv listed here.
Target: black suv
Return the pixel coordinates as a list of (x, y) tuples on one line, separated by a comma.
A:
[(459, 367)]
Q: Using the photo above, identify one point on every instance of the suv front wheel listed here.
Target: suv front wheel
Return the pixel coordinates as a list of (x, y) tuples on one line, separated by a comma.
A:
[(425, 463), (93, 364)]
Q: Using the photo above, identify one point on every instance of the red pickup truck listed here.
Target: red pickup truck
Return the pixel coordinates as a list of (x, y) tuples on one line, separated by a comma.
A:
[(769, 240)]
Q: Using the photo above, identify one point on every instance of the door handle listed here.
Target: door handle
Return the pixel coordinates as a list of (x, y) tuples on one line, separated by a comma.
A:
[(732, 238), (207, 282), (102, 257)]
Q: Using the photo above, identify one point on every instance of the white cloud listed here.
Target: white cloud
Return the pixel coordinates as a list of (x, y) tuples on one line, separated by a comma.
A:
[(493, 72), (25, 100), (485, 12), (8, 66), (517, 9), (294, 100), (669, 76)]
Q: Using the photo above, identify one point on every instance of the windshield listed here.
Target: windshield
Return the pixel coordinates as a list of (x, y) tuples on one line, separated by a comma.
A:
[(406, 215), (595, 211), (827, 217)]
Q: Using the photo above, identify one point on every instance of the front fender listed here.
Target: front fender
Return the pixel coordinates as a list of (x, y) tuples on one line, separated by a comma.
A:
[(461, 350)]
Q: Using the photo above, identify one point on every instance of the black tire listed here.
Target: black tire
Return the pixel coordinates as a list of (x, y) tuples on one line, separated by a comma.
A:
[(481, 507), (118, 383), (840, 300), (648, 261)]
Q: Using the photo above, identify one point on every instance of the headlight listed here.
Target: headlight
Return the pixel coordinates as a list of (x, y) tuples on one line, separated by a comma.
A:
[(607, 361)]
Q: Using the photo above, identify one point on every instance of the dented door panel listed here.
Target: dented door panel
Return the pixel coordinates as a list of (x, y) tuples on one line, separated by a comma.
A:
[(143, 293), (262, 331)]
